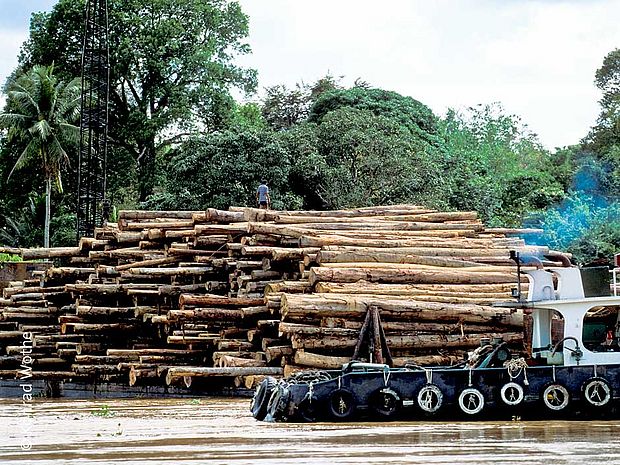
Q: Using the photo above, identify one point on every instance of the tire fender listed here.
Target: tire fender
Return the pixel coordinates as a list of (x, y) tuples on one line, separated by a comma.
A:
[(260, 401), (341, 404), (597, 392), (385, 402), (556, 397)]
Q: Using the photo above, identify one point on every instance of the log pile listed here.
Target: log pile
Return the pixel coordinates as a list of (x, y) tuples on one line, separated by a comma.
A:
[(201, 298)]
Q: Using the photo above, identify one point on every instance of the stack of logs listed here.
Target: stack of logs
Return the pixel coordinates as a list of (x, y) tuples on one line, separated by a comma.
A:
[(200, 299)]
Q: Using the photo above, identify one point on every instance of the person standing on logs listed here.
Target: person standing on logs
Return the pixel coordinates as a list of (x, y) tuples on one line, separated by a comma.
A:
[(262, 196)]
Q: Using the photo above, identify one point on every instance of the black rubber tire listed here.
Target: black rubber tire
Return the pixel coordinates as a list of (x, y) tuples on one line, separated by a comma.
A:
[(308, 411), (385, 403), (551, 403), (278, 401), (260, 401), (341, 404)]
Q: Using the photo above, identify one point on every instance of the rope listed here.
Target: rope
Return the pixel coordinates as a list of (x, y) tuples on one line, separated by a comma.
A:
[(429, 375), (386, 377), (515, 367)]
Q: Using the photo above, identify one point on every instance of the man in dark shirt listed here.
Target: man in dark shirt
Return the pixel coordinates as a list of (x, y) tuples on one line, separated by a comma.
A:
[(262, 195)]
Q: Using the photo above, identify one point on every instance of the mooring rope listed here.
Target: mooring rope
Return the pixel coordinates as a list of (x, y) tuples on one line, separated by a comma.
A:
[(515, 367)]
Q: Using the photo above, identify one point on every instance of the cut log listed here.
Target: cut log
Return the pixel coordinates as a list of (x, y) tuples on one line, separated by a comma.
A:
[(274, 353), (499, 291), (230, 361), (219, 229), (176, 373), (140, 375), (224, 216), (348, 306), (326, 362), (148, 263), (448, 249), (408, 276), (54, 252), (405, 342), (177, 271), (327, 256), (154, 214), (216, 314), (172, 224), (288, 286), (87, 310), (211, 300)]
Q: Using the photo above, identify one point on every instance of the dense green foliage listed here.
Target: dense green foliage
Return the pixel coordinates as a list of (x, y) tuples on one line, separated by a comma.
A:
[(179, 140), (171, 71), (5, 257), (497, 166), (224, 169)]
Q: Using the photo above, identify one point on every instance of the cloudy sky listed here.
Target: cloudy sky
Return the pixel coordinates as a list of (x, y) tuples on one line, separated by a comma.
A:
[(536, 57)]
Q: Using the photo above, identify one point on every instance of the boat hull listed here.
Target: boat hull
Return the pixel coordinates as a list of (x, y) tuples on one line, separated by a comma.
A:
[(376, 392)]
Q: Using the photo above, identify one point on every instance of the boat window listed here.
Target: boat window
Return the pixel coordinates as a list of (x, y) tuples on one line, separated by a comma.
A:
[(601, 329)]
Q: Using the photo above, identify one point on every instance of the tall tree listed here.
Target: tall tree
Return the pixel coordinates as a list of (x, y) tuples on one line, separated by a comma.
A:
[(410, 114), (283, 108), (172, 68), (354, 158), (602, 144), (40, 116)]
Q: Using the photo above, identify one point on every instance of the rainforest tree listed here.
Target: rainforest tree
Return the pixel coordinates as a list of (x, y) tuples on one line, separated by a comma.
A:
[(172, 69)]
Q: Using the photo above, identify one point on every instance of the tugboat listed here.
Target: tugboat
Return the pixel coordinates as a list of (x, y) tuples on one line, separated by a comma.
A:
[(570, 372)]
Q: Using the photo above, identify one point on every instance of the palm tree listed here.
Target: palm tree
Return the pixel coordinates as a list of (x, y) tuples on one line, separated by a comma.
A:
[(41, 113)]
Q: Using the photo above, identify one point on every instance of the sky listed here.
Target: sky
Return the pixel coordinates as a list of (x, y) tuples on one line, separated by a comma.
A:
[(536, 57)]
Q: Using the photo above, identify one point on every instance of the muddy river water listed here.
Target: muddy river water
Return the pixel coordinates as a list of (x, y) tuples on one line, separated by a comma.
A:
[(221, 431)]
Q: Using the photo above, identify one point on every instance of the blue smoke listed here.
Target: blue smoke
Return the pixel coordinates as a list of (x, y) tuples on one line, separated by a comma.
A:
[(586, 219)]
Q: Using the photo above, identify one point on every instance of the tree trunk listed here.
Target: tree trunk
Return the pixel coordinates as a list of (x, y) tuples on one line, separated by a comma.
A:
[(48, 212), (146, 169)]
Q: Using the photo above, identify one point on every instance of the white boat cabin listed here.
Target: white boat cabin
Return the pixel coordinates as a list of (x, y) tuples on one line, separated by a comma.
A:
[(582, 300)]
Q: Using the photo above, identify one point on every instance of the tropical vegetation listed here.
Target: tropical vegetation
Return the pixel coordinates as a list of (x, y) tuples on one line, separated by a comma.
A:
[(179, 140)]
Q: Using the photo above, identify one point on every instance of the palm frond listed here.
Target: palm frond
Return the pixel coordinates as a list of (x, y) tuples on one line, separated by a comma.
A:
[(56, 155), (69, 108), (24, 99), (8, 120), (41, 129), (70, 132), (31, 151)]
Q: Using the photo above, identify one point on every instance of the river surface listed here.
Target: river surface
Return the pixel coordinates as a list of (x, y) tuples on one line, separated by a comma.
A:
[(221, 431)]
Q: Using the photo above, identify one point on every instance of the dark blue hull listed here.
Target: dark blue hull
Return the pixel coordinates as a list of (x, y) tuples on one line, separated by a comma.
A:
[(375, 392)]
